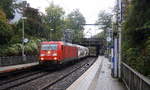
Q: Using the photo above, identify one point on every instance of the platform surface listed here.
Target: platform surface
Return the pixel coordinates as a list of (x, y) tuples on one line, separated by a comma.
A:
[(16, 67), (97, 77), (105, 80)]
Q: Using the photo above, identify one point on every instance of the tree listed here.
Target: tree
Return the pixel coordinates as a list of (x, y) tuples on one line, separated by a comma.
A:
[(105, 23), (11, 34), (54, 19), (105, 20), (99, 35), (135, 35), (8, 7), (75, 21), (34, 23), (5, 29)]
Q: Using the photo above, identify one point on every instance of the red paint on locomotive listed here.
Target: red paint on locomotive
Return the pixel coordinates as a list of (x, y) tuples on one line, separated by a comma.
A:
[(57, 51)]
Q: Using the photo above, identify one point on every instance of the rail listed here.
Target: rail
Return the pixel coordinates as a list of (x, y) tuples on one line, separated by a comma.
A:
[(14, 60), (134, 80)]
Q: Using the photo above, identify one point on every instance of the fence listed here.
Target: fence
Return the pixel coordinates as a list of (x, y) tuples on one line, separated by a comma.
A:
[(133, 79), (14, 60)]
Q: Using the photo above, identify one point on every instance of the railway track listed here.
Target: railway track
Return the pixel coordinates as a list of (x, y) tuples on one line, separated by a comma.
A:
[(22, 79), (42, 80), (68, 77), (62, 77)]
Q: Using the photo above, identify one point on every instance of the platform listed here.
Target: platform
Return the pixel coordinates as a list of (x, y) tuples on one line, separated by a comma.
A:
[(16, 67), (97, 77)]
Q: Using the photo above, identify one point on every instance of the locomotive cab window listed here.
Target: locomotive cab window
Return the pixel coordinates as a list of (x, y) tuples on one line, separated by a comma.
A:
[(49, 47)]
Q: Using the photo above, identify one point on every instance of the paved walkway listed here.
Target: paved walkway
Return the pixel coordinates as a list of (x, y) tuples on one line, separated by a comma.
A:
[(105, 81), (16, 67), (97, 77), (84, 81)]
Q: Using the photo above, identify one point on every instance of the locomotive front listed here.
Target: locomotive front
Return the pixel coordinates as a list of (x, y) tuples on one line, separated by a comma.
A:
[(49, 52)]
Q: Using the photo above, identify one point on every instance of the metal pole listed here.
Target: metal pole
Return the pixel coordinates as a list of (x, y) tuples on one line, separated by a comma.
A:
[(23, 55), (119, 60), (23, 39), (119, 46), (115, 57), (89, 46), (51, 34)]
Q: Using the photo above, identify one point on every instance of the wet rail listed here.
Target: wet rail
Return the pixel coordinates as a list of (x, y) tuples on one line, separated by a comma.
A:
[(26, 77), (64, 76)]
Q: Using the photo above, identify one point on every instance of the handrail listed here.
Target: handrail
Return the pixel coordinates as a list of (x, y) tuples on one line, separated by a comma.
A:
[(133, 79)]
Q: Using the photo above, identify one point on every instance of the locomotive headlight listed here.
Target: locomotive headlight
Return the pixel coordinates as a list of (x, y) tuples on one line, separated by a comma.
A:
[(55, 58), (49, 52), (42, 58), (54, 54)]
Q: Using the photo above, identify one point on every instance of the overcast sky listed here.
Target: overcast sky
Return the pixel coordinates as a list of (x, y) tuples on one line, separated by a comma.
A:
[(89, 8)]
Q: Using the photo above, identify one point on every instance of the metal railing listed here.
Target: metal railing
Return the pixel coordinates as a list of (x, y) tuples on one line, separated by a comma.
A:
[(15, 60), (134, 80)]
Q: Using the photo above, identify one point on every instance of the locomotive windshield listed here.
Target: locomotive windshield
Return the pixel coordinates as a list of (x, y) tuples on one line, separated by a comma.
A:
[(49, 47)]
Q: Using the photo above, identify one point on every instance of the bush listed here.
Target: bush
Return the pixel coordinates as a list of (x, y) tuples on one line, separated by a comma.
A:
[(5, 29), (136, 40)]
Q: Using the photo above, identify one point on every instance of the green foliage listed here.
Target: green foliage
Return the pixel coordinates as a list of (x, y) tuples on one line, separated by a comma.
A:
[(31, 47), (105, 20), (105, 23), (135, 36), (54, 19), (100, 35), (37, 27), (75, 21), (5, 29), (146, 67), (34, 25), (16, 39), (14, 49), (8, 7), (11, 35)]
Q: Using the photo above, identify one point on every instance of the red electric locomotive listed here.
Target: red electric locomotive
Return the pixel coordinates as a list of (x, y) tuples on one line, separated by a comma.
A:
[(57, 52)]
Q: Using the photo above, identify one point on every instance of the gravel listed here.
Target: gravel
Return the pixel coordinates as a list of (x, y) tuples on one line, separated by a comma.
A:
[(66, 82)]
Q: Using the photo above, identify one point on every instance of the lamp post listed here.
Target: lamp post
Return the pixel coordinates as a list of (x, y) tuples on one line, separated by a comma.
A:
[(51, 33), (23, 55)]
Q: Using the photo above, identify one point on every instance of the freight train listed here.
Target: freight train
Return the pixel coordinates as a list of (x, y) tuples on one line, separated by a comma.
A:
[(58, 52)]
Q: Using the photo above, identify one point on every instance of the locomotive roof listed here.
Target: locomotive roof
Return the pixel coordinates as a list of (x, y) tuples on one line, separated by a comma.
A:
[(57, 42), (50, 42), (62, 43)]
